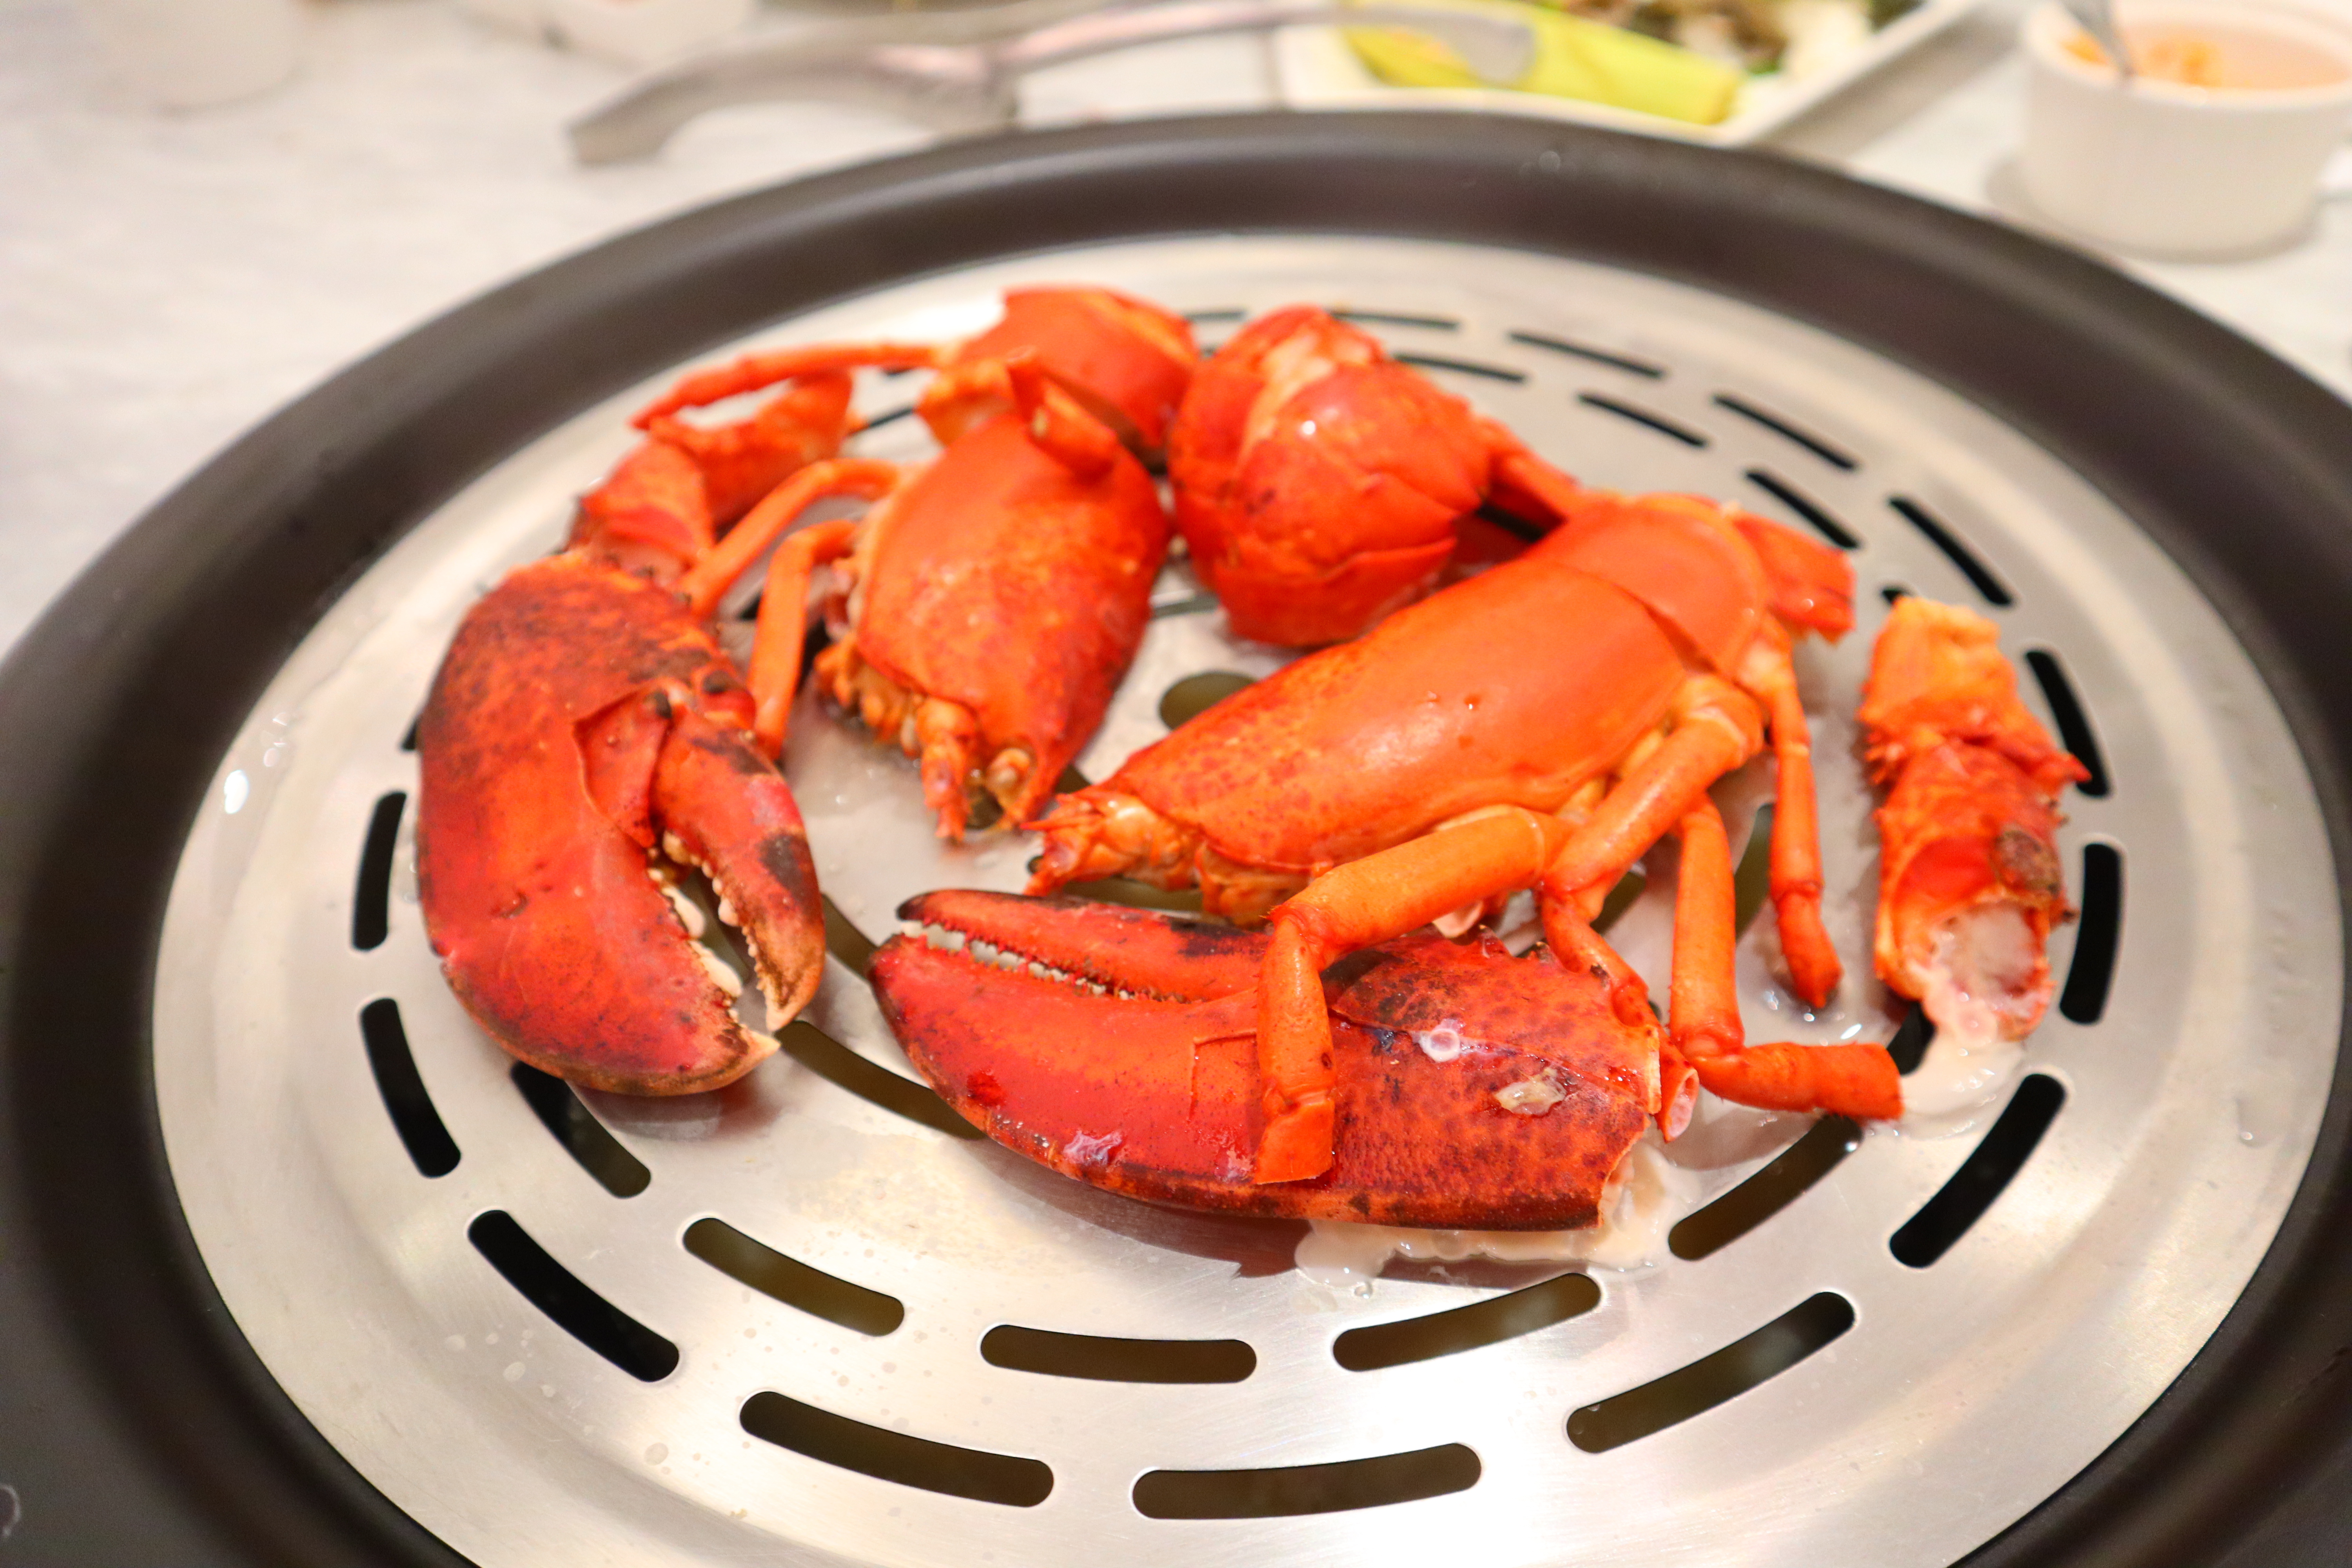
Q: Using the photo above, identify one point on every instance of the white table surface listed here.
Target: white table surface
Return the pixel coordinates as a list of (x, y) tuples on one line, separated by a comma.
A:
[(166, 280)]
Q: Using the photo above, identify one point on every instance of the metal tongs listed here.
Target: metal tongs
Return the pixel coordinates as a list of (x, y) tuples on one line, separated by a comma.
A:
[(961, 72)]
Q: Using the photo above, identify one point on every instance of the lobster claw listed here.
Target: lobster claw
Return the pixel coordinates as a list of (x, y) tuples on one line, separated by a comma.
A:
[(1119, 1048), (584, 744)]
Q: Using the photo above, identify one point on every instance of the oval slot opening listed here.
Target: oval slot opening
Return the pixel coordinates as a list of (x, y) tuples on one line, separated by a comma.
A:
[(420, 1127), (793, 1283), (575, 1307), (1788, 429), (889, 1455), (1983, 1176), (1626, 362), (878, 1086), (1108, 1360), (1909, 1046), (1397, 319), (1458, 1329), (1658, 421), (1751, 880), (2096, 936), (1789, 1175), (1996, 592), (590, 1143), (1307, 1488), (844, 941), (2073, 724), (1806, 507), (1188, 698), (1466, 367), (1743, 1364), (372, 900)]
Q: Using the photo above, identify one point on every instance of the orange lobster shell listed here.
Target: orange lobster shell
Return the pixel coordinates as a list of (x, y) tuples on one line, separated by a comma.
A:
[(1319, 482)]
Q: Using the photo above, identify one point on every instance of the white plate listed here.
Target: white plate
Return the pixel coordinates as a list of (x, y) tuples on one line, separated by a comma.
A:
[(1315, 69)]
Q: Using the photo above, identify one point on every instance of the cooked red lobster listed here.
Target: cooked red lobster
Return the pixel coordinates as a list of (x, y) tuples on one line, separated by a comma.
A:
[(1416, 775), (998, 598), (1319, 482), (586, 740)]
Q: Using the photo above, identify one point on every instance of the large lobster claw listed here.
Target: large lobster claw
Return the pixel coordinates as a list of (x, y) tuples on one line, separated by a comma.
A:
[(1118, 1047), (585, 741)]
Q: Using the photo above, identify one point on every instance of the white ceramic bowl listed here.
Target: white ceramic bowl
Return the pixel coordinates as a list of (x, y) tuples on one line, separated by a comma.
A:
[(2168, 170)]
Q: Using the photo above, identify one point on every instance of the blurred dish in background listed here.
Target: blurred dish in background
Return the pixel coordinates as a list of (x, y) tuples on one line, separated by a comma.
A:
[(2214, 148), (636, 33), (1714, 70)]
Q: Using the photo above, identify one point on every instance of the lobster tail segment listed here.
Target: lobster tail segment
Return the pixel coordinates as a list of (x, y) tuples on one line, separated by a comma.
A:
[(1969, 883)]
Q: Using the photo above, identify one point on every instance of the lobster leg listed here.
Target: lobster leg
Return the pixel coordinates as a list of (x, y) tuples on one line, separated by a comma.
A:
[(1352, 908), (775, 673), (1796, 833), (1716, 727), (754, 372), (1706, 1029)]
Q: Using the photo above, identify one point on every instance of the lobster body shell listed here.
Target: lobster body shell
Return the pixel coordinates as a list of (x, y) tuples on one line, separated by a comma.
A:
[(1127, 361), (1158, 1097), (582, 717), (1514, 687), (1318, 481)]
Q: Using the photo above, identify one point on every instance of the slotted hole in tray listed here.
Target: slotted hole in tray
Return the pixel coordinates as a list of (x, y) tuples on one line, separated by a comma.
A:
[(1398, 319), (1190, 605), (371, 898), (1955, 550), (590, 1143), (1788, 1178), (878, 1086), (1983, 1176), (1621, 898), (794, 1283), (2097, 934), (1815, 514), (1307, 1488), (408, 737), (1641, 367), (1745, 1363), (1751, 882), (1789, 429), (574, 1306), (1909, 1046), (844, 941), (1646, 417), (1462, 366), (414, 1118), (2074, 731), (889, 1455), (1194, 695), (1106, 1360), (1458, 1329), (1138, 895)]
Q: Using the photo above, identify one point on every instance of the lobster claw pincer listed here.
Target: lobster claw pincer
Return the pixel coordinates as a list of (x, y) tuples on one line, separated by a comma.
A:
[(585, 742), (1117, 1047)]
